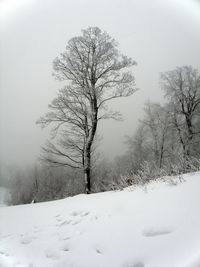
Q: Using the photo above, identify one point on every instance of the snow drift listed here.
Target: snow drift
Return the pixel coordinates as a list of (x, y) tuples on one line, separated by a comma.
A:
[(153, 226)]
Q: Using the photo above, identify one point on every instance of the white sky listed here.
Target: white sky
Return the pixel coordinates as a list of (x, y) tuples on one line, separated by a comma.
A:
[(159, 35)]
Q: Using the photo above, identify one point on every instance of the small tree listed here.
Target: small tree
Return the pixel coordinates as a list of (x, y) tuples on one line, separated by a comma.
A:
[(95, 73)]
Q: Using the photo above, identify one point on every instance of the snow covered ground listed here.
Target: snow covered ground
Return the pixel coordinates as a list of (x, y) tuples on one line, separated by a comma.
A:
[(157, 226)]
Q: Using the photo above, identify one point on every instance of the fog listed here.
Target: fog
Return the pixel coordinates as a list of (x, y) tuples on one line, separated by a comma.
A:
[(159, 35)]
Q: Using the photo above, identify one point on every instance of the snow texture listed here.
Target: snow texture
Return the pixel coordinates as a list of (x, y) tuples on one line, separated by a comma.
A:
[(158, 226)]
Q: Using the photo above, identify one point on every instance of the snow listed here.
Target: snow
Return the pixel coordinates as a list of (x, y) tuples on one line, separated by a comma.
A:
[(153, 226)]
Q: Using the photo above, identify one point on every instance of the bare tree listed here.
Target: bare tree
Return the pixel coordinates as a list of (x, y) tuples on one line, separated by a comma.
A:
[(156, 123), (138, 150), (151, 141), (95, 73), (182, 88)]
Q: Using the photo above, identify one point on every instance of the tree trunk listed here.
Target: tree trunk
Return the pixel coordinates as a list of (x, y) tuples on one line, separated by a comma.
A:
[(87, 181), (161, 156), (190, 135), (87, 173), (162, 149)]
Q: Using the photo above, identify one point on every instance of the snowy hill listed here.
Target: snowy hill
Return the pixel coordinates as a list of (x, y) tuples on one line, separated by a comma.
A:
[(154, 227)]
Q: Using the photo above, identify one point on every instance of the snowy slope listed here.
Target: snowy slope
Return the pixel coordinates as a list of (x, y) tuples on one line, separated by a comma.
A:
[(154, 227)]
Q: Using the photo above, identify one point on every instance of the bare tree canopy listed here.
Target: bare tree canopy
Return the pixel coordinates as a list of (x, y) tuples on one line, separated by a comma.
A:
[(95, 72), (168, 136), (182, 88)]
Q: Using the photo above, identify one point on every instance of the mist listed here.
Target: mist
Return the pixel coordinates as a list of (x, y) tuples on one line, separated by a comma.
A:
[(159, 35)]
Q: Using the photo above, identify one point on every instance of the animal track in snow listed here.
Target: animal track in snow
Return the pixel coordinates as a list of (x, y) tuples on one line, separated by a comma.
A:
[(76, 217), (156, 232), (4, 253), (65, 247), (83, 214), (75, 213), (98, 251), (76, 222), (51, 254), (25, 240), (65, 238), (65, 222), (80, 213)]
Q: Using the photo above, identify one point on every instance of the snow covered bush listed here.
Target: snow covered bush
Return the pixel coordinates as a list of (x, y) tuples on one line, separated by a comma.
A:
[(171, 173)]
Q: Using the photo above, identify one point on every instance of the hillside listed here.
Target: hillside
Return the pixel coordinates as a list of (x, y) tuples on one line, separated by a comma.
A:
[(154, 226)]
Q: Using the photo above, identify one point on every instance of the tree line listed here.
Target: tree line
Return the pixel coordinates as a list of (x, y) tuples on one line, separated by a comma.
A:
[(169, 134)]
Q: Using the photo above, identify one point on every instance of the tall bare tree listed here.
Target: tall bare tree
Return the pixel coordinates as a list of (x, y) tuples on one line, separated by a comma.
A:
[(95, 73), (182, 88)]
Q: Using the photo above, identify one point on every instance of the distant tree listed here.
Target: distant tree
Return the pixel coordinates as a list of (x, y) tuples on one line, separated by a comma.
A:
[(157, 124), (182, 88), (95, 73), (150, 141), (138, 150)]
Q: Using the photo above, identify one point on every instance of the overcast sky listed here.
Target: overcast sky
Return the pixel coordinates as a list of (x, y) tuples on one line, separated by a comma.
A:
[(159, 35)]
